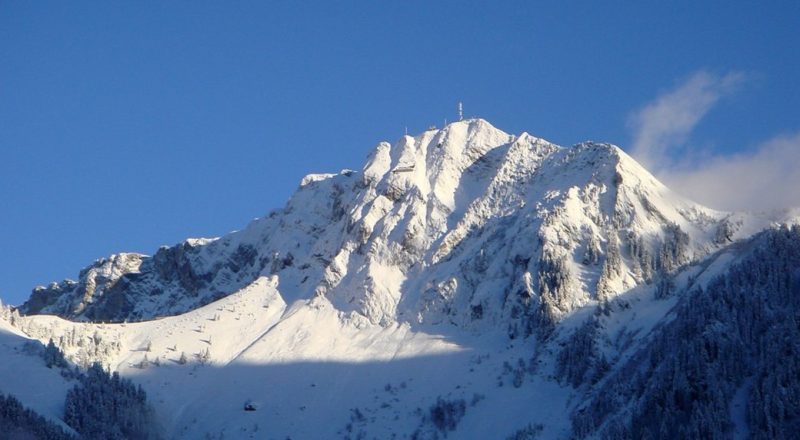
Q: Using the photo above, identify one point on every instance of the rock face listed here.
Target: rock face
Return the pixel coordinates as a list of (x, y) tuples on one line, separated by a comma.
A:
[(465, 225), (70, 298)]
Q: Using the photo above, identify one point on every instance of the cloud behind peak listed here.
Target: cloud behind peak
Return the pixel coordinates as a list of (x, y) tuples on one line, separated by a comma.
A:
[(764, 176), (665, 123)]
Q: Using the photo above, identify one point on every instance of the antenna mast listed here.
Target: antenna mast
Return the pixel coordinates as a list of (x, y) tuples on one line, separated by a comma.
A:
[(460, 111)]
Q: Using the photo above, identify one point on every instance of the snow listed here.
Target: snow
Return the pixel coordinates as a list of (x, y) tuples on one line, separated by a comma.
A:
[(311, 178), (295, 362), (42, 389)]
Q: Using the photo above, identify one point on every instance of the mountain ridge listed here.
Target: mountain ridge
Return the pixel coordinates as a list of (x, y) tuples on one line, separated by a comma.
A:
[(415, 205)]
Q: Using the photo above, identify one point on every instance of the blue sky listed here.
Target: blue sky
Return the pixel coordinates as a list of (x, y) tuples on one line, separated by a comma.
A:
[(125, 126)]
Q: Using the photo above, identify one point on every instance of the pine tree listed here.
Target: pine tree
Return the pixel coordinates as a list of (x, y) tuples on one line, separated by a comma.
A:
[(53, 356), (106, 406), (18, 422), (205, 356)]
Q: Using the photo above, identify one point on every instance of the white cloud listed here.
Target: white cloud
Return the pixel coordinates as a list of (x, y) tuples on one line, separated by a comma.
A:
[(765, 177), (666, 122)]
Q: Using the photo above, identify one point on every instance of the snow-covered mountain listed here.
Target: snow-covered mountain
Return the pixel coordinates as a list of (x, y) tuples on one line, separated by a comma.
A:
[(456, 225), (463, 275)]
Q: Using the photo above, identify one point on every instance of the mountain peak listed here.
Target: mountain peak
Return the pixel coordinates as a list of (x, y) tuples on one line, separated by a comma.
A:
[(410, 236)]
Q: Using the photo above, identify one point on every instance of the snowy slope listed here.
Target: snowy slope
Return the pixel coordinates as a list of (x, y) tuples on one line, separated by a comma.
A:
[(456, 265), (25, 376), (307, 362)]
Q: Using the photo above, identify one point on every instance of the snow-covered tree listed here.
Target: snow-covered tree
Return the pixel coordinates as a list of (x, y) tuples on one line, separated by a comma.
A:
[(106, 406), (18, 422), (53, 356)]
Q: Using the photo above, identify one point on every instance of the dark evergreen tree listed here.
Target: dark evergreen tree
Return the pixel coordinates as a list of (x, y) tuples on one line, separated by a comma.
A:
[(580, 360), (445, 414), (18, 422), (53, 357), (106, 406)]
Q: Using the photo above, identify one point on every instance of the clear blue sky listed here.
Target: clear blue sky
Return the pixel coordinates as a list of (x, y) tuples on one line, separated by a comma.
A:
[(128, 125)]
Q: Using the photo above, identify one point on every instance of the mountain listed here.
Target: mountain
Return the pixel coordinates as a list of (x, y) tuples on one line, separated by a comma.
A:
[(409, 238), (463, 275)]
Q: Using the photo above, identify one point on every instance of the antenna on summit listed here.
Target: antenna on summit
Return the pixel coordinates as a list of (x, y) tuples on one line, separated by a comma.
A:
[(460, 111)]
